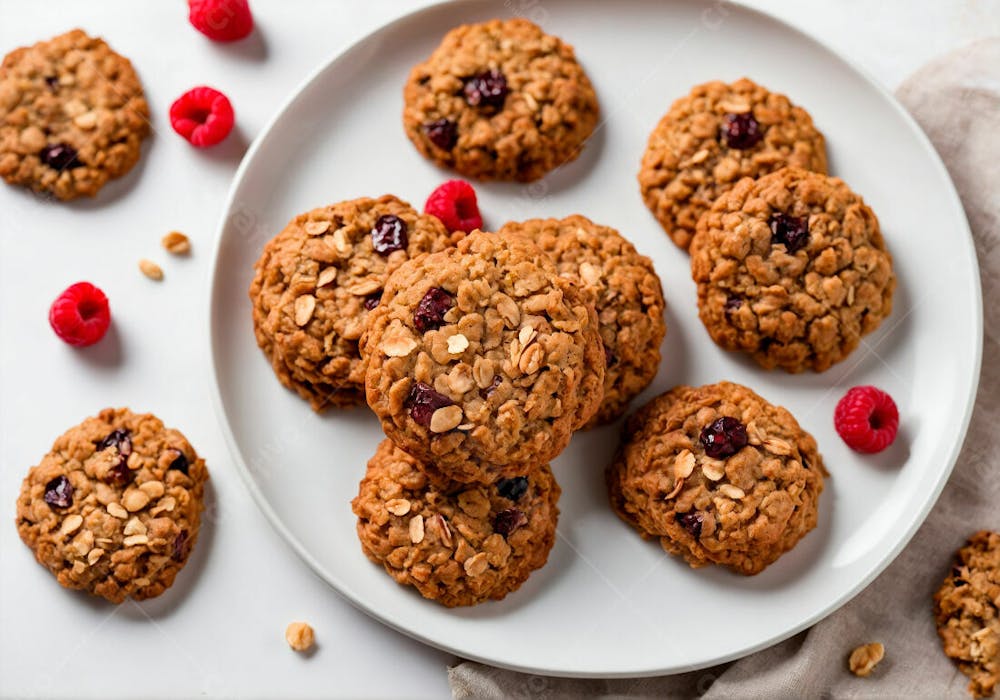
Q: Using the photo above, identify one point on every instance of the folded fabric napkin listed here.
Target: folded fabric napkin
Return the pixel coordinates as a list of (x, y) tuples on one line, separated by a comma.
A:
[(956, 100)]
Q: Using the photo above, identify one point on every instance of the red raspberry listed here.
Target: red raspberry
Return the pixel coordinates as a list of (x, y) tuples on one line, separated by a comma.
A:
[(80, 315), (867, 419), (203, 116), (454, 203), (221, 20)]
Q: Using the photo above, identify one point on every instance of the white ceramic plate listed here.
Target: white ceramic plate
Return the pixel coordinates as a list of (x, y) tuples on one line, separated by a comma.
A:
[(607, 603)]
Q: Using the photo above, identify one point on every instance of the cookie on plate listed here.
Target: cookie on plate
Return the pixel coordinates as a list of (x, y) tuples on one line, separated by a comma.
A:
[(482, 360), (114, 508), (458, 545), (316, 281), (792, 269), (966, 611), (626, 294), (72, 116), (718, 475), (714, 136), (501, 100)]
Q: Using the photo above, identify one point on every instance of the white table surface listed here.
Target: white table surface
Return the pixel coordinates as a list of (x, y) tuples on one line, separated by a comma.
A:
[(220, 631)]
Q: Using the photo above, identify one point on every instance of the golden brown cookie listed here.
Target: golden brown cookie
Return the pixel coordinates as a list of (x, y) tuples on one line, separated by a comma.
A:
[(316, 281), (718, 475), (967, 612), (457, 545), (114, 508), (714, 136), (482, 360), (72, 116), (501, 100), (792, 269), (625, 291)]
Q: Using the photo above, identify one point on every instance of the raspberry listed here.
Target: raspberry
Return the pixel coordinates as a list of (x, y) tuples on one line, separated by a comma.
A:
[(867, 419), (203, 116), (454, 203), (221, 20), (80, 315)]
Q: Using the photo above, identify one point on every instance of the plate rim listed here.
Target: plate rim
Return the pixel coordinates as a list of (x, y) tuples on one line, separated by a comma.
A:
[(916, 519)]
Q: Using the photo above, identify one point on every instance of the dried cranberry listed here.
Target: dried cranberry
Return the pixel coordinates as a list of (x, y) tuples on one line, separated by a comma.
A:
[(119, 474), (423, 401), (59, 492), (741, 131), (488, 89), (60, 156), (389, 234), (609, 357), (723, 437), (733, 303), (488, 391), (513, 488), (690, 522), (372, 300), (507, 521), (793, 231), (431, 309), (180, 462), (121, 438), (442, 133), (181, 546)]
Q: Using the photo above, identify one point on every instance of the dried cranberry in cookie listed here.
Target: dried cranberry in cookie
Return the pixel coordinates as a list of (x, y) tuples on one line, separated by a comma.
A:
[(805, 257), (491, 328), (110, 535), (457, 544), (718, 475), (626, 293), (72, 116), (316, 282), (714, 136), (501, 100)]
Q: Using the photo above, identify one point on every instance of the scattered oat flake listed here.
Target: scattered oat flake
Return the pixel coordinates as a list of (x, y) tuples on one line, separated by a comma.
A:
[(300, 636), (151, 269), (176, 243), (865, 658)]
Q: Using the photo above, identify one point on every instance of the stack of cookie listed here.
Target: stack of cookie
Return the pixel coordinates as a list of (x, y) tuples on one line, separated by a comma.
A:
[(790, 264), (791, 268), (482, 361)]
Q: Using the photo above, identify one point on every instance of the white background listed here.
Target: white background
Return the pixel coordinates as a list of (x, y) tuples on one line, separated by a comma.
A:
[(219, 630)]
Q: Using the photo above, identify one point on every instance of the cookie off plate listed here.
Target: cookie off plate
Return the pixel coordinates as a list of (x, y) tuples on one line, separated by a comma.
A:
[(608, 604)]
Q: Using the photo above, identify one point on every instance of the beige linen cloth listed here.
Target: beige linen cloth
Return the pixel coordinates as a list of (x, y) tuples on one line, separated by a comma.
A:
[(956, 100)]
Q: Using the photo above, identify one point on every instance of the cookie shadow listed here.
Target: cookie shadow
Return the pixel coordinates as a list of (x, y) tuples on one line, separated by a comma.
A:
[(790, 566), (674, 360), (570, 173), (540, 582), (106, 354), (173, 598), (118, 188)]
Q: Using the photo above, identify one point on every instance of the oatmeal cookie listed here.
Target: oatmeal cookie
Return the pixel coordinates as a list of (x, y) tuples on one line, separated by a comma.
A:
[(626, 294), (72, 116), (714, 136), (317, 280), (500, 100), (792, 269), (460, 545), (719, 475), (482, 360), (114, 508), (966, 610)]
